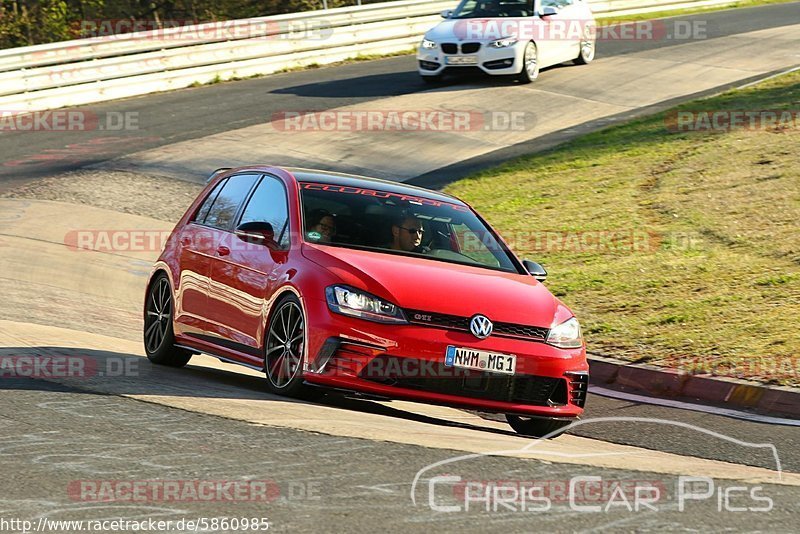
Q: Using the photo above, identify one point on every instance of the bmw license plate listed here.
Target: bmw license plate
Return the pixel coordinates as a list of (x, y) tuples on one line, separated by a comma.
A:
[(461, 60), (480, 360)]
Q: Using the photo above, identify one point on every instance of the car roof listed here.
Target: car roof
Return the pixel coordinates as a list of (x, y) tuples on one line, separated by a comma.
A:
[(351, 180)]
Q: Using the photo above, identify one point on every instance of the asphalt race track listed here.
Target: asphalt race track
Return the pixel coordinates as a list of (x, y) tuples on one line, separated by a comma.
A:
[(345, 464), (169, 118)]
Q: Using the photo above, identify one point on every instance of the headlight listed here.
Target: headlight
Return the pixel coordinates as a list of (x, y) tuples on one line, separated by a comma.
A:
[(349, 301), (503, 43), (428, 44), (567, 335)]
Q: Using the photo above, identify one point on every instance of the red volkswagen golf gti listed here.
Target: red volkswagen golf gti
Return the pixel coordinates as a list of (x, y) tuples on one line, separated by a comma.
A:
[(367, 286)]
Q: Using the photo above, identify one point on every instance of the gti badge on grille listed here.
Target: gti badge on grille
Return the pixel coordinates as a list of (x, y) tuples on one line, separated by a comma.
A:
[(480, 326)]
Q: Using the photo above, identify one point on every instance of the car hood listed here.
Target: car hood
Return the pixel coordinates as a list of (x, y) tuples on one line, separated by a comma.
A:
[(456, 30), (442, 287)]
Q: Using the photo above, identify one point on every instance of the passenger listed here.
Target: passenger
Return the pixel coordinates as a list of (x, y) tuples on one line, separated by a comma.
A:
[(323, 222), (407, 234)]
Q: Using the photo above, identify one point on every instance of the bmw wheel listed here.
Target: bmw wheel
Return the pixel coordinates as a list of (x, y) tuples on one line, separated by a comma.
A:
[(530, 64), (588, 46), (537, 427), (159, 337)]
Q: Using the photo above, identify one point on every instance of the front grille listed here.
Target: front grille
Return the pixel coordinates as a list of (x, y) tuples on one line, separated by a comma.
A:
[(541, 390), (470, 48), (451, 322), (518, 330), (435, 377), (450, 48), (455, 322)]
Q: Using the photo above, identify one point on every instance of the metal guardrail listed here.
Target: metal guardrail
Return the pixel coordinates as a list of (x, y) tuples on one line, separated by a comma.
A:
[(83, 71)]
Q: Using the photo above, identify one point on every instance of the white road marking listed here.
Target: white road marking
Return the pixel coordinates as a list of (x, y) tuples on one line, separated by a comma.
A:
[(769, 77)]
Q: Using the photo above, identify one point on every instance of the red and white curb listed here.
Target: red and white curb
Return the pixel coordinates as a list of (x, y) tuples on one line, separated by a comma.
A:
[(669, 387)]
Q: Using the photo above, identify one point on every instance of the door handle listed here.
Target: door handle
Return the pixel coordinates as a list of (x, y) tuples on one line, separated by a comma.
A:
[(222, 250)]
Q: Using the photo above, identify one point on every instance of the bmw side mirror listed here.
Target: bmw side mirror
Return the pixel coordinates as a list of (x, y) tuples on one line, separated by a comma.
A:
[(535, 270), (549, 11), (447, 13), (256, 232)]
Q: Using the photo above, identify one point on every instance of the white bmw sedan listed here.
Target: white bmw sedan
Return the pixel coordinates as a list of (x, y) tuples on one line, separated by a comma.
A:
[(508, 37)]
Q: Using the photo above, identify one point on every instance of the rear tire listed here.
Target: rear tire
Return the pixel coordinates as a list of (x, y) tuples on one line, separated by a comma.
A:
[(284, 350), (159, 336), (537, 427)]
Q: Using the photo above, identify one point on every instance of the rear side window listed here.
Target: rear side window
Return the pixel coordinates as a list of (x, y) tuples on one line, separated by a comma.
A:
[(203, 211), (268, 204), (226, 205)]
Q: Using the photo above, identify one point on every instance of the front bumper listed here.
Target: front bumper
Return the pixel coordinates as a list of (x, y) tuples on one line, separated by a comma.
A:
[(407, 362), (493, 61)]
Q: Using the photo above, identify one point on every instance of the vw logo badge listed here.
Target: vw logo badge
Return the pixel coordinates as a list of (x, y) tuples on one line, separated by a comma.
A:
[(481, 327)]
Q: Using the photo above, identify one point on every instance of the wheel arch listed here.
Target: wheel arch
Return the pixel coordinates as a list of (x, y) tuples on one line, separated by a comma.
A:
[(272, 306), (158, 269)]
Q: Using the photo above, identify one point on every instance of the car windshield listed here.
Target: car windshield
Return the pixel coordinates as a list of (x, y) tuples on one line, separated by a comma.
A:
[(397, 223), (470, 9)]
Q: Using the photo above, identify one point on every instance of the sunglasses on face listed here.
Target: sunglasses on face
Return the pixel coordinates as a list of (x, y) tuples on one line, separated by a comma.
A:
[(418, 231)]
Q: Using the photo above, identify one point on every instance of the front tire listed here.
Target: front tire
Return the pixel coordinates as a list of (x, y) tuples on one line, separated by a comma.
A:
[(537, 427), (284, 349), (159, 336), (530, 64), (588, 45)]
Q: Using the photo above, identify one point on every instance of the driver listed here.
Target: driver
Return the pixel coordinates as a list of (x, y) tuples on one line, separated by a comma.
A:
[(324, 224), (407, 232)]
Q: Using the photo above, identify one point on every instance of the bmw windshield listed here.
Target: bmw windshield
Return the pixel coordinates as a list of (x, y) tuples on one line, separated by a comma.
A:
[(471, 9), (397, 223)]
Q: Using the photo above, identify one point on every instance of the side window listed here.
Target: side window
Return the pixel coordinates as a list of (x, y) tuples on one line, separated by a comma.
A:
[(203, 211), (477, 247), (560, 4), (227, 203), (268, 204)]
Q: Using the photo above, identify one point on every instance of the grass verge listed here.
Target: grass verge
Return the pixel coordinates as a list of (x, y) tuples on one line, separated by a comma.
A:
[(702, 272)]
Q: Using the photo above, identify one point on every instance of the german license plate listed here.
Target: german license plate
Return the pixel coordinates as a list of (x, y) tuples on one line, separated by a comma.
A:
[(480, 360), (461, 60)]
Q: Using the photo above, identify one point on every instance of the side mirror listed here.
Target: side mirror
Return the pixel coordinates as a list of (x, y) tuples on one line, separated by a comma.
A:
[(256, 232), (447, 13), (535, 270), (549, 11)]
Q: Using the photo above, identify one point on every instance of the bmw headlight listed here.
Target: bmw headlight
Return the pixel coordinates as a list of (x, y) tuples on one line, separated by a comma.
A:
[(428, 44), (567, 335), (503, 43), (355, 303)]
